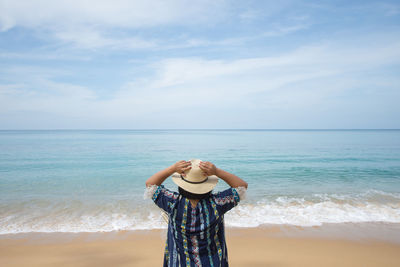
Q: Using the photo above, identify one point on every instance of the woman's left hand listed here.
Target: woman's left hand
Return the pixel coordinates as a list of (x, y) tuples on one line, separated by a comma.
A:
[(208, 168)]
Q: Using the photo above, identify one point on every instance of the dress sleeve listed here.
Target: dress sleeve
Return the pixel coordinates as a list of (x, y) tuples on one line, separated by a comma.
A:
[(162, 197), (228, 198)]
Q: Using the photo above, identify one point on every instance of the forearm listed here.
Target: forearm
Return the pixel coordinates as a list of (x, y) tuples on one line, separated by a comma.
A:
[(159, 177), (231, 179)]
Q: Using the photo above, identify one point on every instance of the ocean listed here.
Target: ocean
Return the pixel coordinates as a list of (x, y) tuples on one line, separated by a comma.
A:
[(94, 180)]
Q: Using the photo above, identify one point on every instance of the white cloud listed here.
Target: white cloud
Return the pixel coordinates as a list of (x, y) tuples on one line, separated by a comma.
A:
[(117, 13), (275, 30), (96, 24), (297, 82), (305, 62), (284, 30), (92, 39), (117, 24), (286, 83), (250, 14), (48, 96), (40, 55)]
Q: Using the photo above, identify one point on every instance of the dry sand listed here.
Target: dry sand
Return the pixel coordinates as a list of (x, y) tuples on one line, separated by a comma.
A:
[(246, 247)]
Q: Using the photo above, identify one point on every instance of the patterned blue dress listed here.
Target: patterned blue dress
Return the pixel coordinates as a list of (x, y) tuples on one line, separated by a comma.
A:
[(196, 236)]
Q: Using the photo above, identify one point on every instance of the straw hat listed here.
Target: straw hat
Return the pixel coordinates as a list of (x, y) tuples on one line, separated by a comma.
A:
[(195, 181)]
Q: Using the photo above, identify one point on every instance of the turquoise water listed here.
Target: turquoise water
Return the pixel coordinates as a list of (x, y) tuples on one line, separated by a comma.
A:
[(74, 181)]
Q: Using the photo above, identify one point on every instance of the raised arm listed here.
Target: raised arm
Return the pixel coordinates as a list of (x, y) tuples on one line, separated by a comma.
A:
[(231, 179), (159, 177)]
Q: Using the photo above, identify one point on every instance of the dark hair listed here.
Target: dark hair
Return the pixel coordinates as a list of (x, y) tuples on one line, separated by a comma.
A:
[(190, 195)]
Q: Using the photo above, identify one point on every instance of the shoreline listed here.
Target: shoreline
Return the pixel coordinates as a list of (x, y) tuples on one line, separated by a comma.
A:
[(365, 231), (262, 246)]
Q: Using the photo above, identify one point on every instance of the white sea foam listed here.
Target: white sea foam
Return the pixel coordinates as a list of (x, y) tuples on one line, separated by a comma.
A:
[(303, 213), (311, 210), (85, 223)]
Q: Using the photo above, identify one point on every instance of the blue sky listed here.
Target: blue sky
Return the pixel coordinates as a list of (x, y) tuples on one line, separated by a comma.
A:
[(199, 64)]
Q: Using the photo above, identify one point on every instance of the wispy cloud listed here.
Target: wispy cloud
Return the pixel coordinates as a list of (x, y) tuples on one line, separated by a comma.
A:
[(116, 25), (191, 84), (127, 64), (328, 58), (250, 14), (94, 24), (118, 13), (44, 55), (284, 30), (94, 39)]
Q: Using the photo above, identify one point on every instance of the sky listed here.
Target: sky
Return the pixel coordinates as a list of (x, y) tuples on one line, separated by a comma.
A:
[(180, 64)]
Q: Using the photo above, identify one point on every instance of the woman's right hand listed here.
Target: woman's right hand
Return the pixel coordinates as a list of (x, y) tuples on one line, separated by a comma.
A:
[(182, 166)]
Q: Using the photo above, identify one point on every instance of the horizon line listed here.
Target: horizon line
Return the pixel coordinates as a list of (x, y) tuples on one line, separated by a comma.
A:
[(204, 129)]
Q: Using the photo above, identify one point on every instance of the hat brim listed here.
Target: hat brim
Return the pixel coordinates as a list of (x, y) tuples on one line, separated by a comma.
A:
[(202, 188)]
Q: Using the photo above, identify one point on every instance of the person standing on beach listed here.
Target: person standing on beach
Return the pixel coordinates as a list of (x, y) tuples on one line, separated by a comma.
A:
[(196, 233)]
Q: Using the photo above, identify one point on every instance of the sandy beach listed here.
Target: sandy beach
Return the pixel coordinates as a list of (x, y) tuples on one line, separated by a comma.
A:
[(246, 247)]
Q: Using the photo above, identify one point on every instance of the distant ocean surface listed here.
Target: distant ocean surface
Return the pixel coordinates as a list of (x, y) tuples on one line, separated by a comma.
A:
[(93, 180)]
